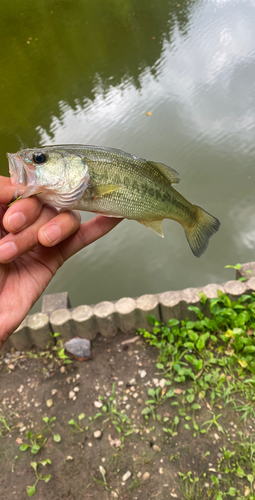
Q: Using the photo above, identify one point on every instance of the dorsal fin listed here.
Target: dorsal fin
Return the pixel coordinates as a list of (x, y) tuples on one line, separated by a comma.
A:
[(168, 172)]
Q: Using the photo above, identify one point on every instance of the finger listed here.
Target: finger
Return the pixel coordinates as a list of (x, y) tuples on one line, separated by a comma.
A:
[(22, 214), (7, 190), (87, 233), (14, 245), (59, 228)]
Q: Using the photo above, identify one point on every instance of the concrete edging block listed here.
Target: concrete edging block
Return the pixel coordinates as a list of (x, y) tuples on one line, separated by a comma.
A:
[(85, 322), (106, 319), (61, 322), (125, 315), (39, 329), (21, 338), (147, 304)]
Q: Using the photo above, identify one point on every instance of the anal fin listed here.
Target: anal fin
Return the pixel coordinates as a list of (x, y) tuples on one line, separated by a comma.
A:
[(154, 225)]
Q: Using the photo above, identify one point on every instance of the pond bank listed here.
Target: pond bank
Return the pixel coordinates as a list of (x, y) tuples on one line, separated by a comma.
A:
[(125, 315)]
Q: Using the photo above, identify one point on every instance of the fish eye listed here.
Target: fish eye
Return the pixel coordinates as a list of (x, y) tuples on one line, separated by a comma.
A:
[(39, 158)]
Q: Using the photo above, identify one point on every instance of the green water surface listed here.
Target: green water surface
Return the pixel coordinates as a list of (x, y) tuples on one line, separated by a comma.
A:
[(89, 72)]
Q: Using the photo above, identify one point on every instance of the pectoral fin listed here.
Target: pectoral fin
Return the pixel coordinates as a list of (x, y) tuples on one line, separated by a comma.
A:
[(154, 225), (98, 191)]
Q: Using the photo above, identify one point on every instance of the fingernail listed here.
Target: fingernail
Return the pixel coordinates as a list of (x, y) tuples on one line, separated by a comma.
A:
[(52, 233), (8, 250), (17, 221)]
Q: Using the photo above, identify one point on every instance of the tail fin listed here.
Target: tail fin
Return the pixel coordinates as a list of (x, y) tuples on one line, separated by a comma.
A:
[(200, 232)]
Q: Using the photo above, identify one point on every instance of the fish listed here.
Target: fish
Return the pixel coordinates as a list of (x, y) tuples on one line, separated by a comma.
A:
[(110, 182)]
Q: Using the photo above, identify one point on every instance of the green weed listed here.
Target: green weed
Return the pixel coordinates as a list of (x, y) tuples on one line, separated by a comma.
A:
[(31, 490)]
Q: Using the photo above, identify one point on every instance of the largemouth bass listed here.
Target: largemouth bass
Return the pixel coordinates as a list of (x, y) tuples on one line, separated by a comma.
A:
[(110, 182)]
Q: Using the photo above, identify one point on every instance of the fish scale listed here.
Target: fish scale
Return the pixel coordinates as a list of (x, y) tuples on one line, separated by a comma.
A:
[(113, 183)]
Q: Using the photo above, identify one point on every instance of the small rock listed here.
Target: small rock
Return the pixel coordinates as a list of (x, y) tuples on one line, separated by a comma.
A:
[(120, 382), (156, 447), (98, 404), (76, 389), (20, 424), (173, 495), (90, 445), (127, 407), (114, 442), (97, 434), (161, 470), (142, 373), (71, 394), (11, 366), (131, 382), (146, 475), (62, 369), (140, 401), (74, 398), (69, 458), (126, 476), (77, 376), (139, 474), (135, 395), (103, 460), (54, 391), (49, 403), (216, 436), (102, 470), (79, 348), (162, 383), (114, 494), (155, 381), (22, 429), (20, 389), (178, 391)]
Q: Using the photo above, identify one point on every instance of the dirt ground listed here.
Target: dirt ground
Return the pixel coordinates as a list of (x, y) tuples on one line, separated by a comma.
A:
[(144, 465)]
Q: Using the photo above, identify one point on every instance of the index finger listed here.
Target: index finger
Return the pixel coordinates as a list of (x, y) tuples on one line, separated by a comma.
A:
[(7, 190), (87, 233)]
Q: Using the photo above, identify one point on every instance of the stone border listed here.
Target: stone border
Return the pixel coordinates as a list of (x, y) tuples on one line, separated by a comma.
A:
[(125, 315)]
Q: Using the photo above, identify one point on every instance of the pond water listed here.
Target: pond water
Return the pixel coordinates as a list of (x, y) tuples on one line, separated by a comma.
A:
[(90, 72)]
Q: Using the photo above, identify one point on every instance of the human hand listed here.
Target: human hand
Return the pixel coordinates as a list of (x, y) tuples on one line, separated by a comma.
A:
[(35, 242)]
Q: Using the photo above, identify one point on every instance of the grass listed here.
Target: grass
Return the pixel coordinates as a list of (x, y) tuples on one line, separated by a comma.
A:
[(206, 369), (211, 363)]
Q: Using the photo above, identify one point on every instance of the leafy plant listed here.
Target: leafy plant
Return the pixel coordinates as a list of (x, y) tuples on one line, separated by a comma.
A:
[(3, 424), (110, 412), (31, 490), (74, 423), (238, 267), (60, 351), (37, 442), (104, 482), (49, 422)]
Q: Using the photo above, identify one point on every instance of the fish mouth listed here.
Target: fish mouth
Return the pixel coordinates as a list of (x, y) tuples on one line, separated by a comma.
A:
[(17, 172), (21, 178)]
